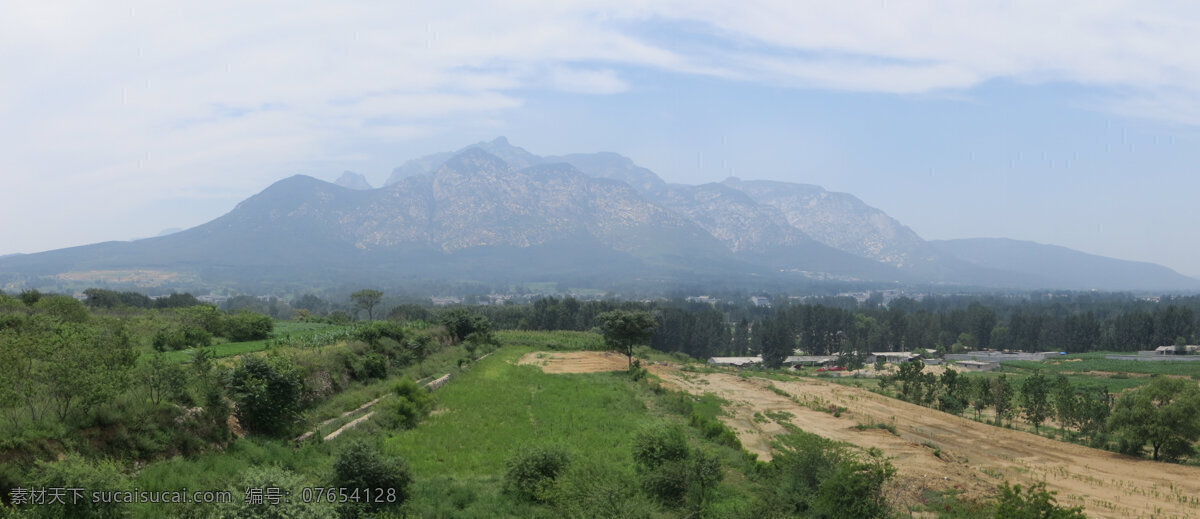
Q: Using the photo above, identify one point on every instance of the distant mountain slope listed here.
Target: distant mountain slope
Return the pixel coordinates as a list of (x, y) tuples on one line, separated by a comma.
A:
[(1060, 267), (475, 217), (515, 157), (839, 220), (494, 212), (616, 167)]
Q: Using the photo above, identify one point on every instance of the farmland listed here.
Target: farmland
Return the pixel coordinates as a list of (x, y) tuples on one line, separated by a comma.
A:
[(937, 452)]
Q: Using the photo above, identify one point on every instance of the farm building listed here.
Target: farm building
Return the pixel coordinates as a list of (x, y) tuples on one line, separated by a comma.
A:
[(803, 360), (810, 360), (734, 361), (893, 356), (1000, 356), (1173, 350), (974, 365)]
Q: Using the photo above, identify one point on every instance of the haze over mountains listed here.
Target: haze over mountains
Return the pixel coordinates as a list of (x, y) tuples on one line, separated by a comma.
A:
[(494, 212)]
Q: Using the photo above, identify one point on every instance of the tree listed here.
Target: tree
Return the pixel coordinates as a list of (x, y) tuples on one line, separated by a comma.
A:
[(366, 299), (87, 365), (1164, 413), (163, 379), (624, 329), (1066, 401), (460, 322), (1001, 397), (1035, 399), (953, 398), (741, 338), (981, 394), (776, 342)]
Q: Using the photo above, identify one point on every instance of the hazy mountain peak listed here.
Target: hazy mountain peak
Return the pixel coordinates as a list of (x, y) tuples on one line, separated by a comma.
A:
[(515, 156), (476, 160), (352, 180), (607, 164)]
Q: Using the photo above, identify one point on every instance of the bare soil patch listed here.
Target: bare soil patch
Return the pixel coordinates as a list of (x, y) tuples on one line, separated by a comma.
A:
[(972, 457), (931, 450), (575, 361)]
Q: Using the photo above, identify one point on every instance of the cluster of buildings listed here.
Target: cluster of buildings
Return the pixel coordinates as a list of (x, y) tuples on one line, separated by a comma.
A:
[(970, 361)]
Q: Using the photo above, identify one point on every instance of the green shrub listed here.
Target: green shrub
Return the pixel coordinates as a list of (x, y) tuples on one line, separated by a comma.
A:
[(587, 490), (292, 506), (813, 476), (1035, 503), (75, 471), (374, 366), (656, 445), (361, 466), (412, 404), (668, 468), (247, 326), (267, 393), (532, 473)]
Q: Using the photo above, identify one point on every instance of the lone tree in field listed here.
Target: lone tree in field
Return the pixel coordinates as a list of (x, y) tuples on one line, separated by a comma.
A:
[(366, 299), (1164, 413), (1035, 399), (624, 329)]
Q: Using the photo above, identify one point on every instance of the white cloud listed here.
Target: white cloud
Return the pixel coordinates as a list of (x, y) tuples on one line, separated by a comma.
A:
[(144, 100), (587, 81)]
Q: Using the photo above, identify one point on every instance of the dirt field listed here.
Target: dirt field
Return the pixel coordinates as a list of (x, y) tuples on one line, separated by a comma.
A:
[(576, 361), (973, 457)]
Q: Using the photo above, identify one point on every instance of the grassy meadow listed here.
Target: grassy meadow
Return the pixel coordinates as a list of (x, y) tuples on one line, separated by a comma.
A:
[(490, 411)]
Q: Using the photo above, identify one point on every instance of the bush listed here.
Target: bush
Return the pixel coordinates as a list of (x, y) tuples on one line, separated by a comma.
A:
[(374, 365), (592, 491), (63, 308), (75, 471), (657, 445), (267, 393), (375, 331), (532, 473), (668, 468), (361, 466), (1035, 503), (812, 476), (412, 405), (291, 506), (247, 326), (181, 338)]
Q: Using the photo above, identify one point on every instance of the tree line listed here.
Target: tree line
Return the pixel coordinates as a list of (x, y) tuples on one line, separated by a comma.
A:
[(1161, 419)]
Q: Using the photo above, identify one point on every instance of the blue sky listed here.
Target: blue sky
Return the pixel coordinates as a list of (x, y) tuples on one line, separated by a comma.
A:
[(1078, 127)]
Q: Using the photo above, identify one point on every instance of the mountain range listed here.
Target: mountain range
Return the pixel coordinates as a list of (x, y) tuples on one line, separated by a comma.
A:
[(494, 212)]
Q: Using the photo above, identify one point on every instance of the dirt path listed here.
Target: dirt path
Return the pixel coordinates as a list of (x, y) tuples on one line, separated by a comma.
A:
[(972, 457)]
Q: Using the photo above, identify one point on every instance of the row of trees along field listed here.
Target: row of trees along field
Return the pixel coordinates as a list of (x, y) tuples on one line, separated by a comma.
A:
[(1071, 322), (1161, 419)]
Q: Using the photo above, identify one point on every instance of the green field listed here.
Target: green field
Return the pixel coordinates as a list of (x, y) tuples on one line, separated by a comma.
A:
[(484, 416), (556, 340), (285, 332), (1096, 362)]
